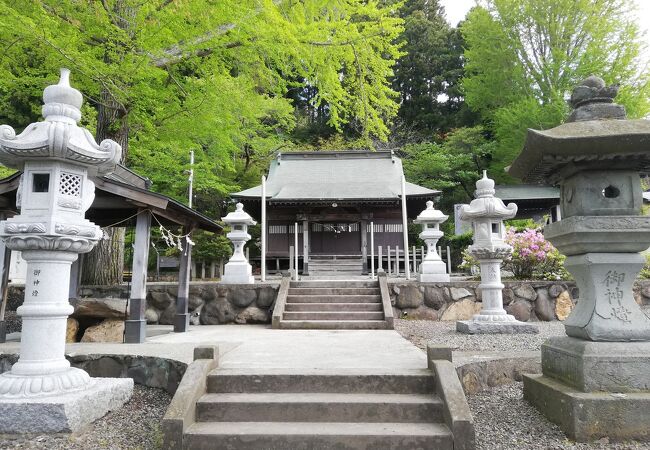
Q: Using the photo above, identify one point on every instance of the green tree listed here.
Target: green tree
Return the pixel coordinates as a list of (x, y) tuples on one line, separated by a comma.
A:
[(427, 76), (523, 57), (163, 77), (452, 167)]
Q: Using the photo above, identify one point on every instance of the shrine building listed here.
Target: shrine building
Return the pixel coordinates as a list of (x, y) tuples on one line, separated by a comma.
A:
[(333, 197)]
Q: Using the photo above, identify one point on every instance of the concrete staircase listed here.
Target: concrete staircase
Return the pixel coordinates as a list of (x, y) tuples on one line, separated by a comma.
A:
[(335, 266), (319, 409), (334, 305)]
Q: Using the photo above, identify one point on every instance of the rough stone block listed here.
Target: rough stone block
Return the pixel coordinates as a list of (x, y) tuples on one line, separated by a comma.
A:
[(525, 291), (458, 293), (590, 416), (68, 412), (563, 305), (107, 331), (478, 327), (597, 366), (521, 309), (462, 310)]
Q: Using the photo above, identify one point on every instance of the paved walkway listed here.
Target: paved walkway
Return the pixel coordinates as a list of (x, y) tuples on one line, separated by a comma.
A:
[(260, 347)]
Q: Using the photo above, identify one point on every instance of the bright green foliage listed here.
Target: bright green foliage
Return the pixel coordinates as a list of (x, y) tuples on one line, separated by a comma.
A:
[(523, 58), (427, 77), (163, 77), (453, 166)]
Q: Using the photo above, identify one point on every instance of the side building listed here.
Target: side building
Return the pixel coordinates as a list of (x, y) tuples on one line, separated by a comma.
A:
[(333, 197)]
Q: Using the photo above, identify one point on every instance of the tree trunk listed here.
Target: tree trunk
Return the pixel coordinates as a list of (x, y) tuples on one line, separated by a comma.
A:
[(105, 263)]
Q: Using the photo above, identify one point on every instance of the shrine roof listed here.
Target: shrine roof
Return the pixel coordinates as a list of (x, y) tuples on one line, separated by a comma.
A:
[(342, 175)]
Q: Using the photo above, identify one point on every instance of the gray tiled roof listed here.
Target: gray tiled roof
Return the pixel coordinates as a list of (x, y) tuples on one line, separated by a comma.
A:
[(514, 192), (335, 176)]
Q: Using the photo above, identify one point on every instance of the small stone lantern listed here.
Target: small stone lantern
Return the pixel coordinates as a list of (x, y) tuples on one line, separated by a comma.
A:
[(487, 213), (596, 380), (57, 158), (432, 268), (238, 270)]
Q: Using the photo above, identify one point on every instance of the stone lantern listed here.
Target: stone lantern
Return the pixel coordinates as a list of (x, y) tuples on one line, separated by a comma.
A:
[(487, 213), (432, 268), (596, 380), (238, 270), (56, 157)]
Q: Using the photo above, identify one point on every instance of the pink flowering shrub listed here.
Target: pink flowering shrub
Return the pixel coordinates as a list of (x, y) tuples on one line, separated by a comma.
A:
[(533, 257)]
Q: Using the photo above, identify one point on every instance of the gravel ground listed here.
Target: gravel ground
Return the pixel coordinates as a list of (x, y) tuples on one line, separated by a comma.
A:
[(13, 322), (136, 426), (421, 331), (503, 420)]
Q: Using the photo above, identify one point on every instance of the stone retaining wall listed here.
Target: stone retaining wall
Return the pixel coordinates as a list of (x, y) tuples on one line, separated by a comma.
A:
[(526, 300), (210, 303)]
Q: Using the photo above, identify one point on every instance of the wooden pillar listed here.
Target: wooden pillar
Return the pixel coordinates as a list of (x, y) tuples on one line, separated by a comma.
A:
[(135, 325), (305, 247), (203, 270), (364, 246), (372, 250), (380, 260), (213, 270), (388, 256), (182, 317)]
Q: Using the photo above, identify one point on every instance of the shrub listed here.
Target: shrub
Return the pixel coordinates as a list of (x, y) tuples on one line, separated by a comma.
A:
[(533, 257)]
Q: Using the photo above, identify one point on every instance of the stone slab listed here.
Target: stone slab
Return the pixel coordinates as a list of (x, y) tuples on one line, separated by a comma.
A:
[(478, 327), (64, 413), (597, 366), (590, 416)]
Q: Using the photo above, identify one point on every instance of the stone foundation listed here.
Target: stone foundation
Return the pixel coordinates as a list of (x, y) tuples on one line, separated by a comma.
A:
[(214, 303)]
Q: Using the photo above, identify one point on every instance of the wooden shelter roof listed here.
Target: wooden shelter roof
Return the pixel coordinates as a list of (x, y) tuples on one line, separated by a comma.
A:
[(118, 199)]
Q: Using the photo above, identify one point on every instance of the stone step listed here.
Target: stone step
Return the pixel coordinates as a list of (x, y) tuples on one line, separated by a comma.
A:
[(318, 407), (376, 298), (334, 324), (317, 435), (342, 263), (333, 257), (334, 315), (334, 284), (290, 307), (370, 381), (334, 291)]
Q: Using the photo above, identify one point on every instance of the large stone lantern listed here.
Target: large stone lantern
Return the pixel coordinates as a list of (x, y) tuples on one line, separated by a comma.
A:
[(56, 157), (432, 268), (487, 213), (238, 270), (596, 380)]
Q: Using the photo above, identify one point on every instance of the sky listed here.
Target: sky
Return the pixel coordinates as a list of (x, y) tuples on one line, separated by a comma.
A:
[(456, 10)]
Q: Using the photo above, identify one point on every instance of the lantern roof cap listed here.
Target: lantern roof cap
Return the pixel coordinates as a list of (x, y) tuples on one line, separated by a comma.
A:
[(431, 215), (238, 217)]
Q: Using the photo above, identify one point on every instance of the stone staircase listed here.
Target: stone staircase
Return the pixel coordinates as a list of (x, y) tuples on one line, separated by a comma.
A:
[(319, 409), (335, 266), (334, 305)]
